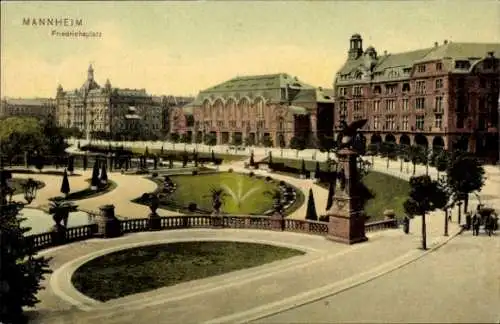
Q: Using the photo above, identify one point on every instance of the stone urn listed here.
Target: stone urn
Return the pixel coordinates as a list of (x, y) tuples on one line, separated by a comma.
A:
[(107, 223), (154, 218), (389, 214)]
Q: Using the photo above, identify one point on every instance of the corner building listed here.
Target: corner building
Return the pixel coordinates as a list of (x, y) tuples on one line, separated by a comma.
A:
[(104, 111), (443, 96), (276, 106)]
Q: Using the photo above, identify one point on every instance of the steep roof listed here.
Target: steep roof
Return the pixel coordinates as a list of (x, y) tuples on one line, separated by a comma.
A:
[(397, 62)]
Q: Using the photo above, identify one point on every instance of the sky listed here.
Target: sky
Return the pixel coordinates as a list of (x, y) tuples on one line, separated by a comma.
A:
[(181, 48)]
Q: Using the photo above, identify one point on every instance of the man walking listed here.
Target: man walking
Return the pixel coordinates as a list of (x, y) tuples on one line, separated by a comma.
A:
[(475, 225)]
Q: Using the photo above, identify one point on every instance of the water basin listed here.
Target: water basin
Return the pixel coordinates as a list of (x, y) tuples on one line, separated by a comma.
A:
[(41, 222)]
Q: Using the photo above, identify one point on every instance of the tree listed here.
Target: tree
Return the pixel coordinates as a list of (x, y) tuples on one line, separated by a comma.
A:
[(71, 164), (414, 155), (39, 162), (372, 150), (311, 207), (21, 270), (303, 169), (331, 193), (185, 159), (441, 161), (403, 155), (104, 174), (267, 141), (270, 158), (94, 182), (213, 156), (389, 151), (252, 161), (465, 176), (317, 170), (297, 143), (65, 189), (425, 196), (210, 139)]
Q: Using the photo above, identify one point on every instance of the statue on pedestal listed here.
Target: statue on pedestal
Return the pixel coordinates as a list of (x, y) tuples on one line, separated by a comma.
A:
[(346, 215)]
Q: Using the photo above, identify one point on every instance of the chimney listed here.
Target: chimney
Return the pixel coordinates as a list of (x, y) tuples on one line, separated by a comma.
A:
[(436, 44), (445, 42)]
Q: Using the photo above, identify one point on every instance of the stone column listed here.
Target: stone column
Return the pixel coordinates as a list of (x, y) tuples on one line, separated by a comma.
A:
[(107, 224), (346, 216)]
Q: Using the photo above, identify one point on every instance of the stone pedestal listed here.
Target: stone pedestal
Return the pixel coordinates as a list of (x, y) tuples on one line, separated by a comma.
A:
[(154, 222), (107, 224), (346, 216), (277, 222)]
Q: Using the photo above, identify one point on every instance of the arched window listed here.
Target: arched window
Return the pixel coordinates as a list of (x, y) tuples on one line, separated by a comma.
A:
[(219, 109), (244, 107), (231, 108), (260, 108)]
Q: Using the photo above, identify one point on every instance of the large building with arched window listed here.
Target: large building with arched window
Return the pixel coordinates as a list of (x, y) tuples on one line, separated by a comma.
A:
[(255, 110), (442, 96)]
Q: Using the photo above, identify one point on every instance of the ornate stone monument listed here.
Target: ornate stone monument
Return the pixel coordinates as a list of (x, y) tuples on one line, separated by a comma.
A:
[(346, 216)]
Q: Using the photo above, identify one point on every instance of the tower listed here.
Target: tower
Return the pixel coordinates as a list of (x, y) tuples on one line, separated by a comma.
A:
[(355, 47), (90, 73)]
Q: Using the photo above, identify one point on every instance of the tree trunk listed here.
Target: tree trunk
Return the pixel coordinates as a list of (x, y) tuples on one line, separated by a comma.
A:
[(427, 168), (424, 233), (414, 167), (446, 222), (373, 159), (387, 162), (466, 203), (401, 166)]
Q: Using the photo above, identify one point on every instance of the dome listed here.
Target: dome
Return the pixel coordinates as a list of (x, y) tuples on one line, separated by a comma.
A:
[(356, 36)]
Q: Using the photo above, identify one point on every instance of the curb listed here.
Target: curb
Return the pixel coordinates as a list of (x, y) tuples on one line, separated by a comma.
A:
[(327, 291)]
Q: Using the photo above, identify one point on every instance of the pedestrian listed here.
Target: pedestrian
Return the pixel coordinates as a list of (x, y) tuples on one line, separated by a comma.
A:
[(468, 221), (449, 214), (488, 225), (475, 225), (406, 225)]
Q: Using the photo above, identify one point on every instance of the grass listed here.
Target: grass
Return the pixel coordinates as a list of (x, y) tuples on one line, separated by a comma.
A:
[(89, 193), (249, 192), (18, 183), (151, 267), (388, 193)]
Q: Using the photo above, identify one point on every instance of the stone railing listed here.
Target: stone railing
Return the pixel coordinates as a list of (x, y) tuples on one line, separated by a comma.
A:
[(45, 240)]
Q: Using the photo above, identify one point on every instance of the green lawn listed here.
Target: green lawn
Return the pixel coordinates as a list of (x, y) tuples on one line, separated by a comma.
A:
[(244, 194), (151, 267), (17, 185), (389, 193)]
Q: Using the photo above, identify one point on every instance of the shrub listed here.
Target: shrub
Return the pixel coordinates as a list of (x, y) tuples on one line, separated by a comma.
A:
[(282, 183), (195, 172), (268, 179), (324, 218), (154, 174), (192, 207), (251, 174), (230, 170)]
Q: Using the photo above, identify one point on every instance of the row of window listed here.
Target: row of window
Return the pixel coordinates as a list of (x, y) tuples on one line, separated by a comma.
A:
[(391, 88), (234, 124), (391, 104), (390, 123)]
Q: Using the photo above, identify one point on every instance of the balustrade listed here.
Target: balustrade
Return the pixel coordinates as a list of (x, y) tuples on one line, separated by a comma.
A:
[(44, 240)]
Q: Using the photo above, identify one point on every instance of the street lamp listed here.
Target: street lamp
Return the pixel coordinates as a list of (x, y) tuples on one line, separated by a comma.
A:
[(30, 189)]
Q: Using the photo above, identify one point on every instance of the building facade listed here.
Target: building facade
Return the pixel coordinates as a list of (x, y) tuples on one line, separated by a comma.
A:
[(253, 109), (103, 111), (42, 108), (442, 96)]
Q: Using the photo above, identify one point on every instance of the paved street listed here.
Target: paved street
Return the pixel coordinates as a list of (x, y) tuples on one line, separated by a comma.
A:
[(458, 283)]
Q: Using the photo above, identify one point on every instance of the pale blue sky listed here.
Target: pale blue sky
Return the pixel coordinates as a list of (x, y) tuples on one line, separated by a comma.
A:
[(183, 47)]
